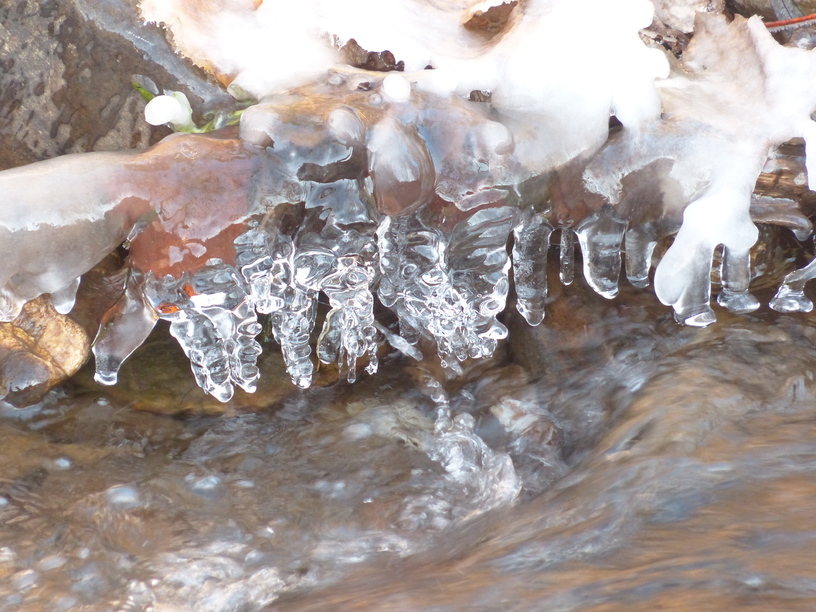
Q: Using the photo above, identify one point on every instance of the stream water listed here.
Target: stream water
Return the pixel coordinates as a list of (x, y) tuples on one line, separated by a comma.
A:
[(608, 460)]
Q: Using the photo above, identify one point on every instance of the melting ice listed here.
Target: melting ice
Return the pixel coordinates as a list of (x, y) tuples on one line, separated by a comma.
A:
[(419, 190)]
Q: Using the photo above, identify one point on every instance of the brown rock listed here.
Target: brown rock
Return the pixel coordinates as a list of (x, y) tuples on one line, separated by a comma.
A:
[(66, 68), (38, 350)]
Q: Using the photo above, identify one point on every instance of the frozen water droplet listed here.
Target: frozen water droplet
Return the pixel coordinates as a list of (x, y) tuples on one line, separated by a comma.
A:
[(346, 126), (64, 299), (400, 167), (396, 88)]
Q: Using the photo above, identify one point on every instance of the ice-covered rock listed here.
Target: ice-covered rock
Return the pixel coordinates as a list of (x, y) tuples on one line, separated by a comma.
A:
[(419, 188), (736, 96)]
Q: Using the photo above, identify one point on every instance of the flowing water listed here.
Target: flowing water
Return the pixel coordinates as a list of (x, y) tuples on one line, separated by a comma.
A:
[(608, 460)]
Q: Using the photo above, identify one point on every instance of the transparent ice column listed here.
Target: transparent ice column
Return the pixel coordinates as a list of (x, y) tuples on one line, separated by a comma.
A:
[(791, 295), (282, 284), (125, 327), (449, 289), (530, 245), (736, 277), (566, 262), (213, 318), (639, 246), (600, 236), (349, 333)]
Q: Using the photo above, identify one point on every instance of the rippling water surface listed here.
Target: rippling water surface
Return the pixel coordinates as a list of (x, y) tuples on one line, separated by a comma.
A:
[(612, 460)]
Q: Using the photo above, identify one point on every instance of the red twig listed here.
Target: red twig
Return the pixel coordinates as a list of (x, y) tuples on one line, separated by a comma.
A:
[(772, 25)]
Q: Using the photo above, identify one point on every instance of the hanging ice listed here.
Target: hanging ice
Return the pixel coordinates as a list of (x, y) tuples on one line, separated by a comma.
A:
[(721, 116), (214, 320), (530, 245), (348, 333), (448, 288)]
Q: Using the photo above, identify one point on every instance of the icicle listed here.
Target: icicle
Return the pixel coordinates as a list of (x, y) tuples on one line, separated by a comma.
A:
[(691, 288), (736, 276), (600, 237), (292, 328), (64, 299), (292, 325), (791, 295), (683, 276), (348, 333), (479, 267), (450, 293), (566, 269), (212, 317), (209, 361), (258, 264), (126, 326), (283, 275), (267, 266), (530, 246), (639, 248)]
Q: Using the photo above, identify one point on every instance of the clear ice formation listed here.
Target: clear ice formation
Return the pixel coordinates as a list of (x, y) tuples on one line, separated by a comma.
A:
[(420, 191)]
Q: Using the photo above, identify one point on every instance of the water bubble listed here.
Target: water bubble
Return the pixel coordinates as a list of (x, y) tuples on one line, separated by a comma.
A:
[(62, 464), (207, 486), (123, 497)]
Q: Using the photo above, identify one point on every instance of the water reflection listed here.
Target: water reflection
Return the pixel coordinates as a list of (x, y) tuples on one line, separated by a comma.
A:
[(660, 468)]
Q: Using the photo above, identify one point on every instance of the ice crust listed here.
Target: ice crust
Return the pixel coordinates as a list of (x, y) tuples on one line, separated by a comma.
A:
[(361, 189)]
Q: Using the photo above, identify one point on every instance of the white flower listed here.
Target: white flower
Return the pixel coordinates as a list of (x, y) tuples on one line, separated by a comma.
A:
[(173, 108)]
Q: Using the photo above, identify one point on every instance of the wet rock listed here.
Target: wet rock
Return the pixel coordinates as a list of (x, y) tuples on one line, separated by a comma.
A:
[(68, 88), (38, 350)]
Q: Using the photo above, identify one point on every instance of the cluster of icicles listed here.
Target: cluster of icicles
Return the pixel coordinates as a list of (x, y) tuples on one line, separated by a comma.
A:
[(367, 188)]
